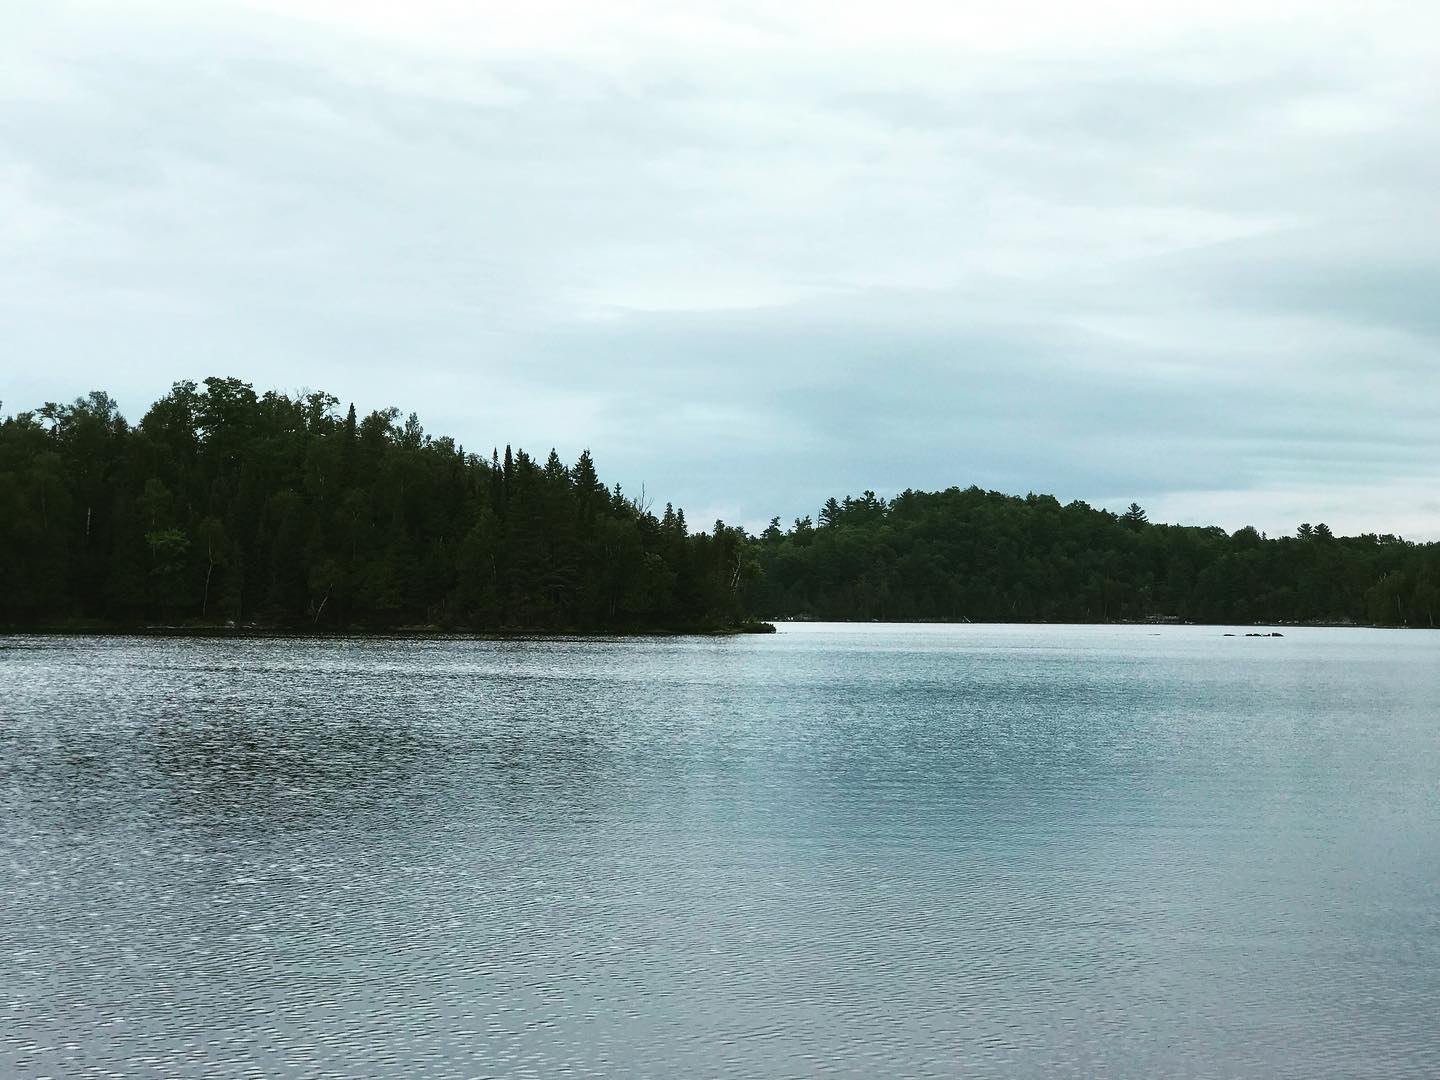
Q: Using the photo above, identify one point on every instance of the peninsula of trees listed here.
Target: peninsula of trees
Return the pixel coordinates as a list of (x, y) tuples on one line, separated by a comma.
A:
[(222, 506)]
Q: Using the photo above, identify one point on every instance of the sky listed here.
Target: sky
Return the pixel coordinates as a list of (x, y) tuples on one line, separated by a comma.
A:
[(755, 255)]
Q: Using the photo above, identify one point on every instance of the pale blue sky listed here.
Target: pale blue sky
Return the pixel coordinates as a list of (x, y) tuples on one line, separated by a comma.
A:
[(1184, 256)]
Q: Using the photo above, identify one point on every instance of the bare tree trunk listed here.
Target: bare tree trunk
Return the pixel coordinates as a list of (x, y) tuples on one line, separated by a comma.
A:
[(321, 608)]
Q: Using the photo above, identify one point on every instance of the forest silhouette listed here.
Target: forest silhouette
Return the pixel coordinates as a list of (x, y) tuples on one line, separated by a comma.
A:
[(222, 506)]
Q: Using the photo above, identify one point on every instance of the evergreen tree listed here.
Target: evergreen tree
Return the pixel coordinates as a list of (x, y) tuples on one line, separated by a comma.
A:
[(226, 505)]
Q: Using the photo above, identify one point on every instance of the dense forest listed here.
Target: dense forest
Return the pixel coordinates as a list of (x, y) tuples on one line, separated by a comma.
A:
[(222, 507), (986, 557)]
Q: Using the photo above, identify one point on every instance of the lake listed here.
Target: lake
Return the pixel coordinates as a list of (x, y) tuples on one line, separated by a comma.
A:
[(901, 851)]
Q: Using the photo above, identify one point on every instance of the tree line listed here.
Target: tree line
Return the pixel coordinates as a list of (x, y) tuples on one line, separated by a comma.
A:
[(226, 506), (969, 554)]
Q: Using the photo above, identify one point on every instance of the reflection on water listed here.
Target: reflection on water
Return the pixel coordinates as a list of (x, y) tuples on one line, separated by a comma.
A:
[(907, 851)]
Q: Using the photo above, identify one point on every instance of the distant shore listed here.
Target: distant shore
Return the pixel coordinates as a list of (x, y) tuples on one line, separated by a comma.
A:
[(262, 630), (757, 626), (1338, 624)]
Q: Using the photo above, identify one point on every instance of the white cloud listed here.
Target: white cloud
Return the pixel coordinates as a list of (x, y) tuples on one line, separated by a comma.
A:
[(756, 256)]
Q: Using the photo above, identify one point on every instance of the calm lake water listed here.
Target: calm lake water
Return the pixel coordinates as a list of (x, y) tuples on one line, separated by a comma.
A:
[(846, 850)]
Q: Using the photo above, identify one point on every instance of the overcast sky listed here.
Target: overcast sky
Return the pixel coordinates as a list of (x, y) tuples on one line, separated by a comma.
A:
[(758, 254)]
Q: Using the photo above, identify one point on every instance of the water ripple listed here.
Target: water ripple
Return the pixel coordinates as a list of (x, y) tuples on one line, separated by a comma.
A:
[(838, 851)]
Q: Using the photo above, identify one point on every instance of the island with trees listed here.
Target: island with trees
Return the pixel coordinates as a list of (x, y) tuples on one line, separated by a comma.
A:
[(968, 554), (224, 507)]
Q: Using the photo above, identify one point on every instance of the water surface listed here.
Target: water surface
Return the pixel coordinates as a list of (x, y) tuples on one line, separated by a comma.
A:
[(841, 850)]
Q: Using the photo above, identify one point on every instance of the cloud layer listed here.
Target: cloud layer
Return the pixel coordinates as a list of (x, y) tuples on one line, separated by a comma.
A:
[(1183, 256)]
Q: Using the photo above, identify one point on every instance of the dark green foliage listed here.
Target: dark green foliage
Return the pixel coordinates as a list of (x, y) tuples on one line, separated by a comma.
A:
[(225, 506), (986, 557)]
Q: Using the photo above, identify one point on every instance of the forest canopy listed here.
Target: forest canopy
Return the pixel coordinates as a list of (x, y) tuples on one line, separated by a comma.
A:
[(986, 557), (224, 506)]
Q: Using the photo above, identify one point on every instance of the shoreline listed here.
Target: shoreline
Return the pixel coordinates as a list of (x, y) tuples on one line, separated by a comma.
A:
[(767, 626), (412, 631)]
